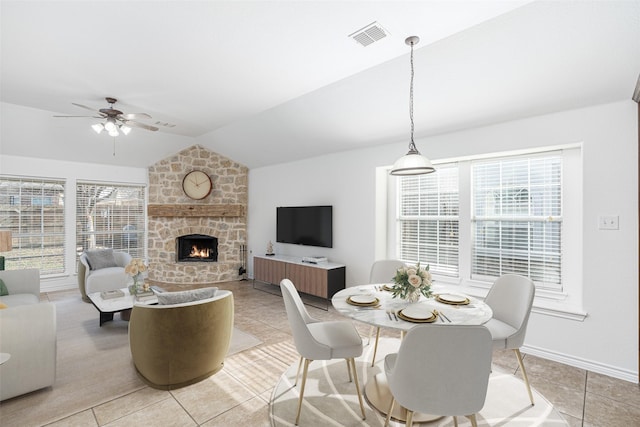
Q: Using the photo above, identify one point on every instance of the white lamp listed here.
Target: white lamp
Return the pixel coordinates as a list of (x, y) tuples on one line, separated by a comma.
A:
[(125, 129), (98, 127), (412, 163)]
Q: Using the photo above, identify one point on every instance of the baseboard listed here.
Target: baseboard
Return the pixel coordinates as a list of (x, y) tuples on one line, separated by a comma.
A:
[(577, 362)]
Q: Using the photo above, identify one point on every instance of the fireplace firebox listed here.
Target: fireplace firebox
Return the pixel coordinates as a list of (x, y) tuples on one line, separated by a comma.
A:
[(196, 248)]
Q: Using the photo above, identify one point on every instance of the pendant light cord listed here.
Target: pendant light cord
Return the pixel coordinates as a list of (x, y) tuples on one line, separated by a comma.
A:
[(412, 145)]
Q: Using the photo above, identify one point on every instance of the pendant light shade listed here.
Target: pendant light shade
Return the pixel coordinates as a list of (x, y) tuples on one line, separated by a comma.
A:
[(412, 163)]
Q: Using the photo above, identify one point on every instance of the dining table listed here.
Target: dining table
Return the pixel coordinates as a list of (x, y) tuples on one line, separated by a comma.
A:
[(375, 305)]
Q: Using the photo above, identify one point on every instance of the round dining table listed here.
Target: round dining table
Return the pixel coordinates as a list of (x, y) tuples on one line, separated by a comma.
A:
[(387, 312)]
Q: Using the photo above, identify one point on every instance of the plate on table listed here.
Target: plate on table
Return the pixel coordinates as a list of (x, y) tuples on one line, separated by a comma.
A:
[(388, 287), (419, 313), (452, 299), (365, 300)]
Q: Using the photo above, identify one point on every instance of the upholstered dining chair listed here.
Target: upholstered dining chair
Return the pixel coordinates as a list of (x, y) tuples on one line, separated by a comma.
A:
[(440, 370), (510, 298), (320, 340), (382, 271)]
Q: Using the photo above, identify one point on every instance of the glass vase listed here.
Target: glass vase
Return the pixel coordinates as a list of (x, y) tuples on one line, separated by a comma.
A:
[(413, 296)]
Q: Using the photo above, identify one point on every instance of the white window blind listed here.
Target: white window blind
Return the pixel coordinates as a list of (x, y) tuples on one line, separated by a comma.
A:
[(33, 209), (110, 216), (428, 219), (517, 218)]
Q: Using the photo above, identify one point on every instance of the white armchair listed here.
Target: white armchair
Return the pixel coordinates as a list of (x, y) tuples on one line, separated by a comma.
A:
[(105, 273)]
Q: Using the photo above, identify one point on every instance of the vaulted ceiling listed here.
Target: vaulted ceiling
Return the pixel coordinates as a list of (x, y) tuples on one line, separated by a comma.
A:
[(266, 82)]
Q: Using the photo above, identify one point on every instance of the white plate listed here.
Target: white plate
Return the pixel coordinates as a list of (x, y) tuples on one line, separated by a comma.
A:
[(418, 311), (363, 299), (457, 299)]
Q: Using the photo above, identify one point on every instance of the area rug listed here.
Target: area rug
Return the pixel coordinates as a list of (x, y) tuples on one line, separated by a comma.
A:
[(93, 366), (331, 400)]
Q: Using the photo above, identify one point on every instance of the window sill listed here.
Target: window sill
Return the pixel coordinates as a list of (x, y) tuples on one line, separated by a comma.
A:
[(546, 302)]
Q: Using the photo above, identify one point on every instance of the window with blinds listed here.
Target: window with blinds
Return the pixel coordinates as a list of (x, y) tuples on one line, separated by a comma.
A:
[(517, 218), (33, 209), (428, 219), (110, 216)]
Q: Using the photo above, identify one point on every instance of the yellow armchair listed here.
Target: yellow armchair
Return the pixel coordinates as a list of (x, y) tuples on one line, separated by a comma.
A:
[(180, 344)]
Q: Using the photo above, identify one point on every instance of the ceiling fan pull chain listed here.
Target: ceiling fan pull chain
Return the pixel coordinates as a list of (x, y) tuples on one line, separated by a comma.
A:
[(114, 146)]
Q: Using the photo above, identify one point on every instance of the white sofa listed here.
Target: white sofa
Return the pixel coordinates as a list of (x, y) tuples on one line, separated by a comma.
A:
[(92, 280), (27, 334)]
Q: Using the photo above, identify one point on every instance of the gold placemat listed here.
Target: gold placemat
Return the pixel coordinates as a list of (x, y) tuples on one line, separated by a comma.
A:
[(445, 301), (413, 320), (363, 304)]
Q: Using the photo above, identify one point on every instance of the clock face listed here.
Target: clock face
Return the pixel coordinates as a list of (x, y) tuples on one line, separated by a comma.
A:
[(197, 185)]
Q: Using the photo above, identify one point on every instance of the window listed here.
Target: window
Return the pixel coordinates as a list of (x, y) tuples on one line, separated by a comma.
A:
[(481, 217), (33, 209), (110, 216), (517, 218), (428, 219)]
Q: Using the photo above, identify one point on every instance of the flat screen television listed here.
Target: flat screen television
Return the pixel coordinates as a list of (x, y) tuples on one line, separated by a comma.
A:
[(305, 225)]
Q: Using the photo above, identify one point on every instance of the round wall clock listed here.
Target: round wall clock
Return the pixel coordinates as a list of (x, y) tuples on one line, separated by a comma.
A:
[(197, 185)]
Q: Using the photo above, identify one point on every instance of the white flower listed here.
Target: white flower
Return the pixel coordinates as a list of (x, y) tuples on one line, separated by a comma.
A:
[(415, 280), (411, 272)]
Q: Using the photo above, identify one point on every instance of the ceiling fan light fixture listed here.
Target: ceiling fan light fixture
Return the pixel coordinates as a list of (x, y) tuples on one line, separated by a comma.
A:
[(412, 163), (98, 127), (110, 126), (114, 132), (125, 129)]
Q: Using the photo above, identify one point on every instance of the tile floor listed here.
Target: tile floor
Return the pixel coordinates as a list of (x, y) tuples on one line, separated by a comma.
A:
[(239, 394)]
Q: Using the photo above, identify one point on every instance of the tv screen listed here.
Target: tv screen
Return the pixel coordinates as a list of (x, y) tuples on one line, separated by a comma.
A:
[(305, 225)]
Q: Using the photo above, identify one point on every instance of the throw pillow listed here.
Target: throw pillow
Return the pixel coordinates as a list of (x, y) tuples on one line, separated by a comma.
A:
[(101, 258), (169, 298), (2, 305), (3, 288)]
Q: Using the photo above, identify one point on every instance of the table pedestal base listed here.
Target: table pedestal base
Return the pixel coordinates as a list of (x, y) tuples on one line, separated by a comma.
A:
[(377, 393)]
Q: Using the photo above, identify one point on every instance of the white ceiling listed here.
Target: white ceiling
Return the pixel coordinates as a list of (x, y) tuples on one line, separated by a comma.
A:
[(272, 81)]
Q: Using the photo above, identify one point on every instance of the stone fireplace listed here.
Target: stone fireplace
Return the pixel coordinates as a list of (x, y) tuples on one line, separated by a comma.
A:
[(220, 218), (196, 248)]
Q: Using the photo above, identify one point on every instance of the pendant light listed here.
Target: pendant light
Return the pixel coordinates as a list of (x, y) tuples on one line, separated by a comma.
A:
[(412, 163)]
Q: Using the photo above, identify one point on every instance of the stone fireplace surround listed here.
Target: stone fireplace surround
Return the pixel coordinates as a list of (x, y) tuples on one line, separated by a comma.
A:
[(209, 216)]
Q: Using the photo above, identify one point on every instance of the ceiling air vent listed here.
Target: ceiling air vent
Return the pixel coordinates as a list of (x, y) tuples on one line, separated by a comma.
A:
[(369, 34)]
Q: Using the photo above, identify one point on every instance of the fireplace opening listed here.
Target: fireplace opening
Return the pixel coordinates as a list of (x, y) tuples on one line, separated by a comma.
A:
[(196, 248)]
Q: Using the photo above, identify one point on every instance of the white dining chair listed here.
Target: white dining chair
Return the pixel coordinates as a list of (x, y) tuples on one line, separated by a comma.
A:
[(510, 298), (382, 271), (320, 340), (440, 370)]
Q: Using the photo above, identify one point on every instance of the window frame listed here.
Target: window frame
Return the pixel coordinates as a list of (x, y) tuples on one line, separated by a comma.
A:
[(567, 303)]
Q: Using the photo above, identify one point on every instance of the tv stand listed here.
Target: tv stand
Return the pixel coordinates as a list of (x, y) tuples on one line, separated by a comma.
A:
[(322, 280)]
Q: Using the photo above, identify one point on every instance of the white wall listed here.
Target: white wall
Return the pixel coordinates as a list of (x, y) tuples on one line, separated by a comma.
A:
[(607, 340), (71, 172)]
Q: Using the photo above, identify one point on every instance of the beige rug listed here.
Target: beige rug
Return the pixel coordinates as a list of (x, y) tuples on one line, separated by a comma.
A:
[(330, 399), (94, 366)]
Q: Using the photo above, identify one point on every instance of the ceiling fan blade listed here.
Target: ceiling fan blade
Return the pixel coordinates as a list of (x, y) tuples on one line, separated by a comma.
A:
[(91, 117), (140, 125), (133, 116), (85, 107)]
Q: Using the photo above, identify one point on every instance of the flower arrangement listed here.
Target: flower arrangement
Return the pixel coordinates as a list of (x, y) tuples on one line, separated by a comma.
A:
[(135, 268), (410, 282)]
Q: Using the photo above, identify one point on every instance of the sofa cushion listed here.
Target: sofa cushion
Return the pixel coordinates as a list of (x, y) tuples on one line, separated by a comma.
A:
[(101, 258), (15, 300), (169, 298), (3, 288)]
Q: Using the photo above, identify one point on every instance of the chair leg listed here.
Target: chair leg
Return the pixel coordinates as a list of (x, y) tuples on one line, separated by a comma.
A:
[(375, 347), (349, 370), (298, 371), (472, 418), (386, 421), (455, 421), (355, 379), (304, 381), (410, 418), (524, 374)]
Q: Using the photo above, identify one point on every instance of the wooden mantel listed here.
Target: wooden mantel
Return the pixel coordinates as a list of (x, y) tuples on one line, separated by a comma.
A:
[(183, 210)]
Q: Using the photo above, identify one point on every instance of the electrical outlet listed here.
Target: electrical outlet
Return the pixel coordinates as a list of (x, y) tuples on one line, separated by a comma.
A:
[(608, 222)]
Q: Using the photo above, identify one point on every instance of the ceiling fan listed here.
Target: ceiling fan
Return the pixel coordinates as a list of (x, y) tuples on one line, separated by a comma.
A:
[(115, 120)]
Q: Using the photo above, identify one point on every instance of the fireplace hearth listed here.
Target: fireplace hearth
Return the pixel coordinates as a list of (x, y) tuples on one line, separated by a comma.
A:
[(196, 248)]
